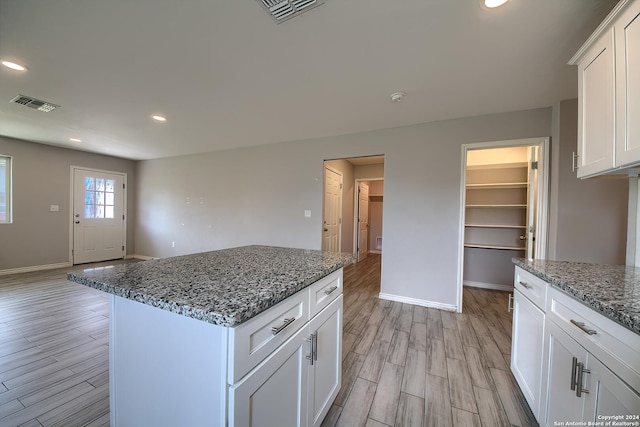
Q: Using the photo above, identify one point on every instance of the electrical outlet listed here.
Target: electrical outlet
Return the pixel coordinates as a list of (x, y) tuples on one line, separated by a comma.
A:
[(54, 208), (307, 213), (173, 244)]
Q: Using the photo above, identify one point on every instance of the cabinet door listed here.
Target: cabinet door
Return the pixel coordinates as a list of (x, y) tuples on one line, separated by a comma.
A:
[(608, 395), (326, 371), (275, 393), (561, 403), (627, 34), (527, 349), (596, 108)]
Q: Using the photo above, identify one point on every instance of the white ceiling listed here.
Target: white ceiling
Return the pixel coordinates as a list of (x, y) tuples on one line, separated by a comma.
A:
[(226, 75)]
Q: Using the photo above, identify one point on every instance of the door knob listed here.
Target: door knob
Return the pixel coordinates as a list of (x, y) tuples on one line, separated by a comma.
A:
[(77, 215), (326, 229), (77, 222)]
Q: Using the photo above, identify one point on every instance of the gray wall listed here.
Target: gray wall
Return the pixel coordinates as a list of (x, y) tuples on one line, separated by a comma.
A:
[(258, 196), (590, 216), (41, 177)]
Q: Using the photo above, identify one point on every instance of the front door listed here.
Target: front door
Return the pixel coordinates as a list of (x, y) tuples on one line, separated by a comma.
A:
[(363, 220), (98, 215), (332, 210)]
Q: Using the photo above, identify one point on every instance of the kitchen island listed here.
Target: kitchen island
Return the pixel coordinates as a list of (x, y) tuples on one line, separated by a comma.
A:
[(576, 341), (242, 336)]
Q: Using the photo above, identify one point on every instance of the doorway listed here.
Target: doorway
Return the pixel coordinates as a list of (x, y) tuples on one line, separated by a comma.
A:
[(360, 219), (98, 209), (504, 200)]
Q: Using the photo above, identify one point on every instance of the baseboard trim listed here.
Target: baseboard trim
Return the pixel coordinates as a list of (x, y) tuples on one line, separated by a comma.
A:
[(144, 257), (32, 268), (375, 252), (420, 302), (484, 285)]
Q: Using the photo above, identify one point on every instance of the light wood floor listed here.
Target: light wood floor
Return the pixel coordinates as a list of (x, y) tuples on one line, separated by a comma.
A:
[(403, 365)]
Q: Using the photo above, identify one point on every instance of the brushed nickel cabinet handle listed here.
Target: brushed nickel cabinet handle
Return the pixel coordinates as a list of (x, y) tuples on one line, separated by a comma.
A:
[(510, 307), (277, 329), (310, 356), (583, 328), (574, 162), (581, 370), (574, 365), (330, 290), (525, 284)]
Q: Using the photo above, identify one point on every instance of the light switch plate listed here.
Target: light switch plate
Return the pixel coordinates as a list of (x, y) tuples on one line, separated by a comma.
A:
[(307, 213), (54, 208)]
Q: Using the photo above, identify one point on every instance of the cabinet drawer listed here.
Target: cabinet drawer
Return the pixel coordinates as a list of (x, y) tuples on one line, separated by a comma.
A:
[(532, 287), (614, 345), (325, 290), (252, 341)]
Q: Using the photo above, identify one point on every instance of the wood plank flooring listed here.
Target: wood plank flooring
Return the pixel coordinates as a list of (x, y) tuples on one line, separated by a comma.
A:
[(406, 365), (403, 365)]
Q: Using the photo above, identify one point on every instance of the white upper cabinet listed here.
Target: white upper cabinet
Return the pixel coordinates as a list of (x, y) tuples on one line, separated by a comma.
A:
[(609, 93), (627, 34)]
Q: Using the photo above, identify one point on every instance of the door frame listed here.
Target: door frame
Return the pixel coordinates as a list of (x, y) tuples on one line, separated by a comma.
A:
[(324, 202), (542, 232), (356, 206), (73, 169)]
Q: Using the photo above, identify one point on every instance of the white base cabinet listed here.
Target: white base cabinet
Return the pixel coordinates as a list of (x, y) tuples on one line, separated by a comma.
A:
[(572, 363), (281, 368)]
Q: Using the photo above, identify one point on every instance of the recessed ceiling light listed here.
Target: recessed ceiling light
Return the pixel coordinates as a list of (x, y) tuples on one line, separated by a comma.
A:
[(491, 4), (159, 117), (13, 65), (75, 140)]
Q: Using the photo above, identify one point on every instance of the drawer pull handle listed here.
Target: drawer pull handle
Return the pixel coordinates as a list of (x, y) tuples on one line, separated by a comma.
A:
[(510, 307), (277, 329), (525, 284), (583, 328), (313, 340), (330, 290), (581, 370)]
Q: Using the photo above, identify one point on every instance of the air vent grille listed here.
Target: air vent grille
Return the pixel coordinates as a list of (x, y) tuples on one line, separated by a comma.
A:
[(36, 104), (281, 10)]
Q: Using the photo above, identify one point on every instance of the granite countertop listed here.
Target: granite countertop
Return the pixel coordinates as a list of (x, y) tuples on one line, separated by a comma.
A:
[(612, 290), (225, 287)]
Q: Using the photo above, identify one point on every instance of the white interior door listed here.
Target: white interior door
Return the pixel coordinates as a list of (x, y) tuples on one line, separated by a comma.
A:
[(363, 220), (532, 203), (98, 215), (331, 230)]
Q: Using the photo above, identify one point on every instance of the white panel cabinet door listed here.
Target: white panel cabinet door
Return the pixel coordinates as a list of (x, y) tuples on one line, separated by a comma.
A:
[(562, 403), (608, 395), (596, 107), (627, 34), (275, 393), (527, 349), (326, 369)]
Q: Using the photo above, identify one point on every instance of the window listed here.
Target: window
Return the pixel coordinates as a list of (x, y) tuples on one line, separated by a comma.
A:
[(5, 189), (98, 197)]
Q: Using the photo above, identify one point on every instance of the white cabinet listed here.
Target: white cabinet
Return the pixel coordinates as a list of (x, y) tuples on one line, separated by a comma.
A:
[(593, 365), (562, 403), (627, 37), (528, 336), (275, 394), (325, 374), (609, 93), (283, 367)]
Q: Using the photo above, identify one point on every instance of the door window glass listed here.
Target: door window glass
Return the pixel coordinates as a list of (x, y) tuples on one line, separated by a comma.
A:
[(98, 198)]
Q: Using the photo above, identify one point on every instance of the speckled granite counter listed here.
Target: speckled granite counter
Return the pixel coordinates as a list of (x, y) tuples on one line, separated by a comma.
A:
[(612, 290), (225, 287)]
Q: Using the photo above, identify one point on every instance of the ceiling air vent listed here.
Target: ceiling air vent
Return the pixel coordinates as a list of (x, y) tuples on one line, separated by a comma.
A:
[(36, 104), (281, 10)]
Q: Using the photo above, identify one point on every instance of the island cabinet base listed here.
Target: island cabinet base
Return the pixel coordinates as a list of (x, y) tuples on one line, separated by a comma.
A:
[(170, 370)]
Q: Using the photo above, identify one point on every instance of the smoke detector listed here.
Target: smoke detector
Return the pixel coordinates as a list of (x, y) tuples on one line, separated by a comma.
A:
[(36, 104), (281, 10), (397, 96)]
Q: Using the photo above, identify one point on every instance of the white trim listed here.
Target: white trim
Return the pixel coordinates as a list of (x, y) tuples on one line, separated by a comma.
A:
[(483, 285), (143, 257), (32, 268), (415, 301), (125, 211), (542, 219), (375, 252)]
